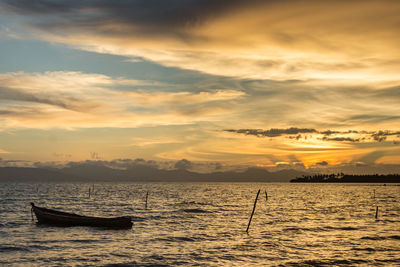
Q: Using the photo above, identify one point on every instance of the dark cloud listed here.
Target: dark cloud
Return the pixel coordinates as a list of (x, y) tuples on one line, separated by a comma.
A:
[(328, 135), (129, 163), (329, 132), (183, 164), (14, 163), (283, 165), (299, 165), (341, 139), (322, 163), (218, 166), (379, 138), (154, 16), (21, 111), (382, 135), (333, 132), (273, 132), (66, 102), (297, 137)]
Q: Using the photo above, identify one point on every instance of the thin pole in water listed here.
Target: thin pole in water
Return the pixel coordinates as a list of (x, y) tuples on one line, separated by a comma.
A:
[(376, 214), (252, 213), (374, 193), (89, 192), (266, 195), (147, 196)]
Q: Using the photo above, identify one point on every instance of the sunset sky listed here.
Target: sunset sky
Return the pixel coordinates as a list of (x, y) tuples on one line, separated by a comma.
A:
[(280, 84)]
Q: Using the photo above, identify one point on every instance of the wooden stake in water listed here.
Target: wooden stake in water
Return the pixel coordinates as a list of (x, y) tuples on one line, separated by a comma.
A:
[(376, 214), (89, 192), (252, 213), (266, 195), (147, 195)]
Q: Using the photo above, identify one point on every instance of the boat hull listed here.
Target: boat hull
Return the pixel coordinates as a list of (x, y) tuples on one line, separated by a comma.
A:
[(59, 218)]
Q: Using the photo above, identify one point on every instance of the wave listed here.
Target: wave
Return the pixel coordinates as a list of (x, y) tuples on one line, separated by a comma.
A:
[(394, 237), (344, 228), (320, 229), (194, 203), (364, 249), (196, 211), (137, 219), (179, 239), (84, 241), (332, 262), (13, 249)]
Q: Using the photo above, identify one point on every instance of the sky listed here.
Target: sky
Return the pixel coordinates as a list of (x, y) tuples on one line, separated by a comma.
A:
[(311, 85)]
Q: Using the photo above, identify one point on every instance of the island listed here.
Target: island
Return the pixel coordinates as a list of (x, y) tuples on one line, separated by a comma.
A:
[(348, 178)]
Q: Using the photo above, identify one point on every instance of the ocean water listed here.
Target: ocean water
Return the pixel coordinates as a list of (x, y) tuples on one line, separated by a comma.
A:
[(204, 224)]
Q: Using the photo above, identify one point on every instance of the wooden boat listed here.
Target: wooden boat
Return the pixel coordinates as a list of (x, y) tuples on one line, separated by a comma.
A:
[(60, 218)]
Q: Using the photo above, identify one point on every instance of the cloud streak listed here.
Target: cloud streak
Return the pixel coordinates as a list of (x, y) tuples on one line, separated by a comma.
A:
[(327, 135), (272, 132), (75, 99)]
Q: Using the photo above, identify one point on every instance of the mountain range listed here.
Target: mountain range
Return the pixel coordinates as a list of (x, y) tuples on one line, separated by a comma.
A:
[(140, 173)]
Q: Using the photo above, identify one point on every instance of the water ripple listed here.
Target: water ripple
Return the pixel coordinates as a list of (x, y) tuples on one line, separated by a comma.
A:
[(204, 225)]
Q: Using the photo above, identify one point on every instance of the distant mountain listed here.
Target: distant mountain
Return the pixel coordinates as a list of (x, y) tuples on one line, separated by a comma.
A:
[(19, 174), (140, 173)]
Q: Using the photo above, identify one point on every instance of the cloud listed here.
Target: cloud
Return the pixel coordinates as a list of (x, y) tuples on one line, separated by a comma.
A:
[(272, 64), (327, 135), (272, 132), (179, 98), (13, 162), (253, 39), (143, 142), (6, 33), (183, 164), (372, 157), (75, 99), (66, 102), (122, 164), (322, 163), (341, 139), (275, 73), (330, 132)]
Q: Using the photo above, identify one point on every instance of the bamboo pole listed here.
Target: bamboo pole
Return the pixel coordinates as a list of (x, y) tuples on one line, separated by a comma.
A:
[(89, 192), (147, 195), (252, 213), (376, 214), (266, 195)]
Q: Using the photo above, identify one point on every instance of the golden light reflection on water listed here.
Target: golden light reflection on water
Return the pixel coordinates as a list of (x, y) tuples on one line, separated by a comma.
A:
[(204, 224)]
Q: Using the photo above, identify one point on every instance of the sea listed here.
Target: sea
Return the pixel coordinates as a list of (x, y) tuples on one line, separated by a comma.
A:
[(204, 224)]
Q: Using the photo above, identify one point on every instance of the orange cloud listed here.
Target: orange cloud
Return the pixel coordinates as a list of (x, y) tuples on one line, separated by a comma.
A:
[(79, 100)]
